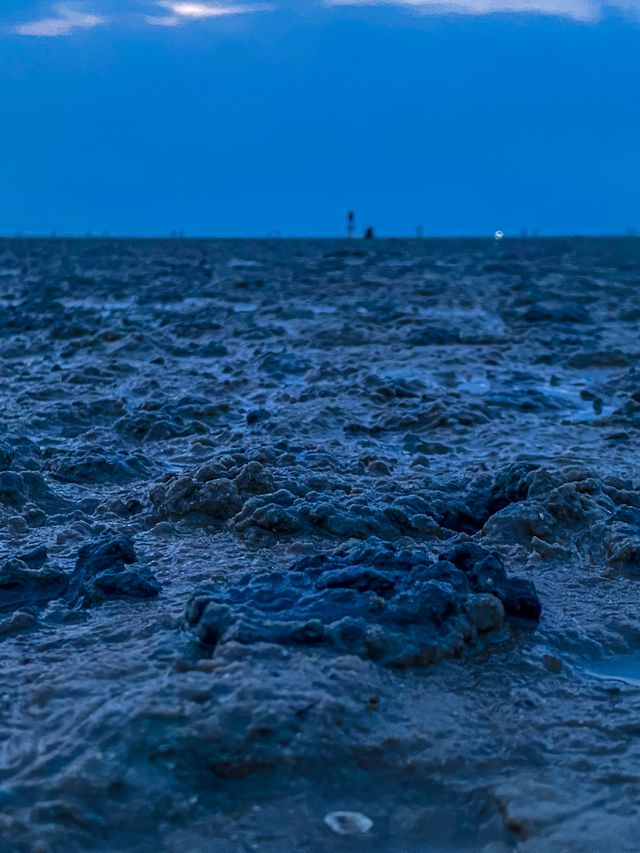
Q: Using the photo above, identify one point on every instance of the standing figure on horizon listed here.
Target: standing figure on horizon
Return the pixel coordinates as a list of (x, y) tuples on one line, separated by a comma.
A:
[(369, 234), (351, 223)]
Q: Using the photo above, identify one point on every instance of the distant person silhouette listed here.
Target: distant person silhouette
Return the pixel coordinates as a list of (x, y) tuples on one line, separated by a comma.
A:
[(369, 234), (351, 223)]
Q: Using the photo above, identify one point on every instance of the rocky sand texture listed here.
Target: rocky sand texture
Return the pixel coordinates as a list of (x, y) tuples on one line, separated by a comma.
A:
[(319, 546)]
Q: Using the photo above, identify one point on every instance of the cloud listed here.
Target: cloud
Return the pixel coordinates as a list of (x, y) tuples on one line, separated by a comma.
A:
[(183, 10), (578, 10), (66, 18), (584, 11), (72, 16)]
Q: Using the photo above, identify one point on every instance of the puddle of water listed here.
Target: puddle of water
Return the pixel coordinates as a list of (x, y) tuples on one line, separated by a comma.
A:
[(239, 263), (625, 668)]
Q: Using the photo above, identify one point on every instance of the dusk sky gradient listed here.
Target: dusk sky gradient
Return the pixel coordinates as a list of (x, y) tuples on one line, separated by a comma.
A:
[(248, 118)]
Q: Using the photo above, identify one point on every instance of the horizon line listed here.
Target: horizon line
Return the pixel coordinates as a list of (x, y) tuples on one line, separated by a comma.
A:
[(631, 233)]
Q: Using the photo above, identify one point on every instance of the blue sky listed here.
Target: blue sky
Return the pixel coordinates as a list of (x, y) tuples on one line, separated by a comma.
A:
[(237, 118)]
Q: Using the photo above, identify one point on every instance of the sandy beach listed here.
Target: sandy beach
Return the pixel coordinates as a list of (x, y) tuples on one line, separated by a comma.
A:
[(294, 527)]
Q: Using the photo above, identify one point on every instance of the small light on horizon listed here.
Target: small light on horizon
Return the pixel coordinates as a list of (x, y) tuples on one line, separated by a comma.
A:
[(498, 235)]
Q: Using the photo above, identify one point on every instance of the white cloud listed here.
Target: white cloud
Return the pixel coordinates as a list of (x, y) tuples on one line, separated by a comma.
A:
[(64, 21), (184, 10), (68, 17), (577, 10)]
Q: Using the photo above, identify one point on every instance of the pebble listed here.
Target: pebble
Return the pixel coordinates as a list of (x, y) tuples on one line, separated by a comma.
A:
[(553, 664), (348, 823)]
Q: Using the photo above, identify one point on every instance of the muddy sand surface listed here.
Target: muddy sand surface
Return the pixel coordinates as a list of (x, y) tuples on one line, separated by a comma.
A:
[(290, 528)]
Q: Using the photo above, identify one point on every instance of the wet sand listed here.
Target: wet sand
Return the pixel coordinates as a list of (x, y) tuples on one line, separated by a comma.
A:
[(297, 527)]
